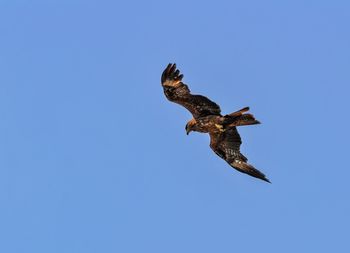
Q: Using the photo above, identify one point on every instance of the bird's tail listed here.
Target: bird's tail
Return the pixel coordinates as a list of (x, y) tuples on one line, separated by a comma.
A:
[(239, 112), (240, 118)]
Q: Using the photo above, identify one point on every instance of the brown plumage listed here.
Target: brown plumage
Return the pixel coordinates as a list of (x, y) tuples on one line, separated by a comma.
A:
[(225, 140)]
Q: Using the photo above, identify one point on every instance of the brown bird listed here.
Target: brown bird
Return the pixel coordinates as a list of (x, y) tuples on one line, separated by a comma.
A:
[(225, 140)]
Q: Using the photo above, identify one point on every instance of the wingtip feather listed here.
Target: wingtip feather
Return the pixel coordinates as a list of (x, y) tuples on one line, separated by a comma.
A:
[(249, 169), (266, 180)]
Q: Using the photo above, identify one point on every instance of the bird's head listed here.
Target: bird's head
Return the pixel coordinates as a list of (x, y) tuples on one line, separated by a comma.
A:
[(190, 126)]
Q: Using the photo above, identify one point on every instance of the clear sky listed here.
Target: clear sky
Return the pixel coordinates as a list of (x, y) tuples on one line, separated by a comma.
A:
[(95, 159)]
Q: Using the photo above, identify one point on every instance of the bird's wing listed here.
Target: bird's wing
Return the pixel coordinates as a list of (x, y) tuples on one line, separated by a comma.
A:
[(178, 92), (227, 146)]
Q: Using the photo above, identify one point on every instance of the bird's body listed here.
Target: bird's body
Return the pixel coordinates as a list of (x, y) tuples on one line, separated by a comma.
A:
[(207, 124), (225, 140)]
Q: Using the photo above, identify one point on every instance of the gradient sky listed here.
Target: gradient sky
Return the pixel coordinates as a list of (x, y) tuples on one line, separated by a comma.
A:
[(95, 159)]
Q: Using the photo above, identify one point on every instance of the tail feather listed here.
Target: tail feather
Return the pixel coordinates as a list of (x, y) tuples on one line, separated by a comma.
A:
[(243, 120), (239, 112), (246, 119)]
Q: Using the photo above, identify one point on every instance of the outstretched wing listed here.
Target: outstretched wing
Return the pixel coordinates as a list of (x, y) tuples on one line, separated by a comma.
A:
[(178, 92), (227, 146)]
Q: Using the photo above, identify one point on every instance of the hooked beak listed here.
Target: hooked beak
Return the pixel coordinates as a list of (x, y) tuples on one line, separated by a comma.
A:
[(188, 130)]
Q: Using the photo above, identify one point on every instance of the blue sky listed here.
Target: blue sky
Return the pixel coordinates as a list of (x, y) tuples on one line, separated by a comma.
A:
[(95, 159)]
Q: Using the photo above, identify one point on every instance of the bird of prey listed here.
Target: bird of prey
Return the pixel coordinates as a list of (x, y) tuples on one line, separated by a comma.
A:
[(225, 140)]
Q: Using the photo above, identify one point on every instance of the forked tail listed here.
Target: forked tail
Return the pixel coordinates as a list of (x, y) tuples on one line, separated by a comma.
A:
[(240, 118)]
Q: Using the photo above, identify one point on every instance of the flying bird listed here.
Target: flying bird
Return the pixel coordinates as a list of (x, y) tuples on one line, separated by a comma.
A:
[(225, 140)]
